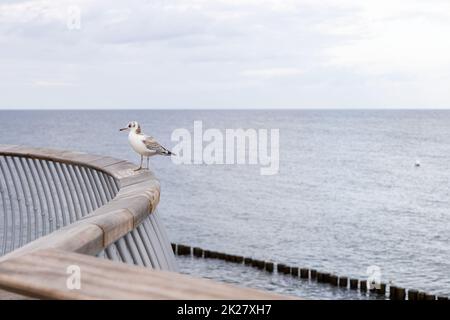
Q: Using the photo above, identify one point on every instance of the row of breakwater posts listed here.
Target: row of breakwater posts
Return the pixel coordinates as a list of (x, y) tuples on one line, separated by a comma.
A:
[(393, 292)]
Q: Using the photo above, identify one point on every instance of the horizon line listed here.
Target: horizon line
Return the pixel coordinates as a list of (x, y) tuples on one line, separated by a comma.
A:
[(233, 109)]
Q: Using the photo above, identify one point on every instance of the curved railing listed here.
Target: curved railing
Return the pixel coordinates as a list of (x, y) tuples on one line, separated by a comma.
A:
[(44, 190), (60, 209)]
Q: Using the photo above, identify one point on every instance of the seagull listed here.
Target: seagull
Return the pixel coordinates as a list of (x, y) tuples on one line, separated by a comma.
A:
[(145, 145)]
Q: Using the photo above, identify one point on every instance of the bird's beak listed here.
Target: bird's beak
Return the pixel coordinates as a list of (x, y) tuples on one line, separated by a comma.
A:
[(123, 129)]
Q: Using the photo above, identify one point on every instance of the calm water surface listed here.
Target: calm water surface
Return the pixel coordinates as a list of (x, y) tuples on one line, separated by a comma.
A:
[(348, 195)]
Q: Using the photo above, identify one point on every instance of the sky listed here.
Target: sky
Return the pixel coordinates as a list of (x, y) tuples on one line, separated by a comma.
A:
[(188, 54)]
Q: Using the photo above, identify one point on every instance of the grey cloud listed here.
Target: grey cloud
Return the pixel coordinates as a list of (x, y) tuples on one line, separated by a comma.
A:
[(196, 53)]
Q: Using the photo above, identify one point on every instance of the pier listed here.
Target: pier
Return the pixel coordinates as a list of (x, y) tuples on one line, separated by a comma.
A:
[(65, 208)]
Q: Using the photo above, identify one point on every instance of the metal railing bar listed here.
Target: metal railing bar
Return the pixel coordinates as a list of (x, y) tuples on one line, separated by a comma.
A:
[(54, 192), (109, 194), (83, 202), (94, 187), (63, 186), (133, 250), (87, 196), (106, 182), (164, 234), (26, 189), (148, 248), (5, 207), (123, 251), (76, 201), (154, 241), (92, 192), (99, 186), (19, 201), (161, 240), (53, 219), (37, 212), (140, 248), (47, 194), (112, 254)]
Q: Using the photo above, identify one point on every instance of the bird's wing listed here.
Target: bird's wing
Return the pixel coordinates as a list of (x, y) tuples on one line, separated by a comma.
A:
[(153, 145)]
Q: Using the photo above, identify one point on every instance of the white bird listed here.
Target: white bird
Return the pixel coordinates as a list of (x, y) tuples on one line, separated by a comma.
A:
[(142, 144)]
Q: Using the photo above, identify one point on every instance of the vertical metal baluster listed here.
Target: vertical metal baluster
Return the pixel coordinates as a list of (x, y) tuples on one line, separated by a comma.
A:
[(37, 212), (112, 253), (60, 198), (86, 195), (2, 216), (146, 227), (64, 186), (151, 220), (28, 181), (166, 241), (123, 251), (47, 195), (115, 185), (106, 183), (19, 201), (73, 192), (108, 193), (140, 247), (99, 186), (49, 181), (148, 247), (81, 197), (90, 188), (94, 188), (133, 249), (25, 186), (5, 207), (110, 181)]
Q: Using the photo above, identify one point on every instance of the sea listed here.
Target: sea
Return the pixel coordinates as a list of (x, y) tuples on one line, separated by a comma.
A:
[(356, 191)]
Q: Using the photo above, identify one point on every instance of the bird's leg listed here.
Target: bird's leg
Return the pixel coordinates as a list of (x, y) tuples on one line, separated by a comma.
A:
[(148, 158), (140, 167)]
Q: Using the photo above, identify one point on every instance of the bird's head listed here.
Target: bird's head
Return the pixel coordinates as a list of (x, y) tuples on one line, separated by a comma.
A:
[(132, 126)]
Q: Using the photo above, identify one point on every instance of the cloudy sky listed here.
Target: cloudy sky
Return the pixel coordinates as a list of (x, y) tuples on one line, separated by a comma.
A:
[(225, 54)]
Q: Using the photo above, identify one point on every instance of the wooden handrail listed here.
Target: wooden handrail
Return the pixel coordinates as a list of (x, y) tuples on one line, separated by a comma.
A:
[(38, 269), (43, 274), (137, 198)]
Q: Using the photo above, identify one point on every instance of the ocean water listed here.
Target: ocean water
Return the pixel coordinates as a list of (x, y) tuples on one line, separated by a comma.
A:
[(348, 194)]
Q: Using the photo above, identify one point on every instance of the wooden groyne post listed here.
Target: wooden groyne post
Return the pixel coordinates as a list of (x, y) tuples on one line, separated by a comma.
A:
[(395, 292)]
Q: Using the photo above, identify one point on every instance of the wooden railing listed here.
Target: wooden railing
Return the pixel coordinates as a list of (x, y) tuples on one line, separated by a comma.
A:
[(121, 225)]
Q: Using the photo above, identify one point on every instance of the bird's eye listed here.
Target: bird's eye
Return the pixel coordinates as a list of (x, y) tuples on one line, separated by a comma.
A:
[(129, 126)]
